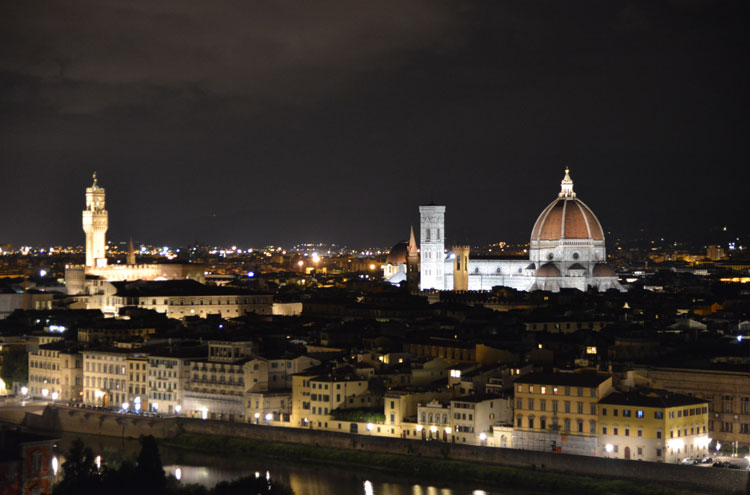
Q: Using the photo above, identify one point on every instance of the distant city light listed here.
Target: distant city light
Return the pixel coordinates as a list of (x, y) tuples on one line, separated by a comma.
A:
[(42, 273), (250, 274)]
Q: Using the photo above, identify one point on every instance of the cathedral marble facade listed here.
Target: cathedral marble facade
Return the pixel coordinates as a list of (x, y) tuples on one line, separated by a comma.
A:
[(566, 250)]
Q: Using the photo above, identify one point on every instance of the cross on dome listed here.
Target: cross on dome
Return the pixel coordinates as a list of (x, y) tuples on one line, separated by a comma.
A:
[(566, 186)]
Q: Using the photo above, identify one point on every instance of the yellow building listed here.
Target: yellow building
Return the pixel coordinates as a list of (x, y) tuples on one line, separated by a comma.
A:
[(56, 372), (105, 376), (558, 412), (653, 425), (317, 392), (725, 389), (137, 380)]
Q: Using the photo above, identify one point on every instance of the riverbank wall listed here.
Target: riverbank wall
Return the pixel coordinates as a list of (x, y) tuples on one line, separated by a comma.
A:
[(704, 479)]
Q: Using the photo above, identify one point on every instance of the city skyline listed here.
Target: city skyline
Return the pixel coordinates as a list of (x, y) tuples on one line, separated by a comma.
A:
[(334, 123)]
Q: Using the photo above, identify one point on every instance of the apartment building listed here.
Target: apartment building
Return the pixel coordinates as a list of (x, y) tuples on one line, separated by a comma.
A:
[(216, 389), (558, 412), (169, 376), (725, 387), (653, 425), (105, 378), (56, 371)]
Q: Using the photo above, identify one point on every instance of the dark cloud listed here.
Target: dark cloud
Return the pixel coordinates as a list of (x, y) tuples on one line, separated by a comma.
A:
[(88, 55), (279, 121)]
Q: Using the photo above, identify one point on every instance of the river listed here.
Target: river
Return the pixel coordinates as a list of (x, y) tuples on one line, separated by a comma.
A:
[(305, 479)]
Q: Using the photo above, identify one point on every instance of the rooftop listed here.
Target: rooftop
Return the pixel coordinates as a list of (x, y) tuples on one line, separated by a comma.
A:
[(579, 379), (651, 398)]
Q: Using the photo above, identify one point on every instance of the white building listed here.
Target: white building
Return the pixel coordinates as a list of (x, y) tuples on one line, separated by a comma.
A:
[(95, 222), (566, 250)]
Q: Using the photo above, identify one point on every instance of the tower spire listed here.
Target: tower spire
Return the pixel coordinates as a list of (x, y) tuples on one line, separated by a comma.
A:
[(131, 253), (566, 186), (412, 248)]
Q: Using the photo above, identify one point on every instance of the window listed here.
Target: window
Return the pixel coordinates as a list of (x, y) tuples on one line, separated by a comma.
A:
[(604, 430), (658, 452), (36, 462), (518, 421), (542, 404), (531, 422), (658, 414), (567, 425), (614, 430), (519, 403), (640, 450), (640, 432), (592, 408), (626, 413), (639, 413), (726, 403), (531, 404), (658, 434), (567, 406), (580, 407), (604, 411), (627, 432)]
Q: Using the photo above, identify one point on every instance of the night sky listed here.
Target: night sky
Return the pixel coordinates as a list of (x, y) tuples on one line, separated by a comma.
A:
[(261, 122)]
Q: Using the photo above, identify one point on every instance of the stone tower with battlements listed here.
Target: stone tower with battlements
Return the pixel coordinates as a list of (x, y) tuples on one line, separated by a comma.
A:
[(95, 224)]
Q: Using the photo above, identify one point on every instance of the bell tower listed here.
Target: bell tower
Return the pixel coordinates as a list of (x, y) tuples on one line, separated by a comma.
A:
[(432, 247), (95, 224)]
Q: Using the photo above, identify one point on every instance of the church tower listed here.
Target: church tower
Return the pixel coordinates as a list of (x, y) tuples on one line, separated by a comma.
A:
[(412, 264), (432, 247), (461, 268), (95, 223), (131, 254)]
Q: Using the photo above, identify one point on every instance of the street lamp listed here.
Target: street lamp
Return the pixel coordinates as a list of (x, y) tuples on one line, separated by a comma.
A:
[(370, 426), (55, 395), (24, 391), (177, 409), (45, 393), (257, 418), (269, 417)]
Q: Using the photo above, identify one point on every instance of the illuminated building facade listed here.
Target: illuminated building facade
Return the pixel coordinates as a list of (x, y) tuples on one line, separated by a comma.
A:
[(653, 425), (95, 220), (566, 250), (558, 412), (56, 372), (95, 225)]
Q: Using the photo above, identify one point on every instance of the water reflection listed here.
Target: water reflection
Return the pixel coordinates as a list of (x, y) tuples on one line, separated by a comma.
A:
[(304, 479), (311, 481)]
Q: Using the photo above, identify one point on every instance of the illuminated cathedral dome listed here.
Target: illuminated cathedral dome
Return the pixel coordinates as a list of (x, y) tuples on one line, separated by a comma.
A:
[(567, 217), (567, 231), (398, 253)]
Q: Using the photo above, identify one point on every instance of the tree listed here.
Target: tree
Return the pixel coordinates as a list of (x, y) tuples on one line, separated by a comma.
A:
[(148, 468), (80, 472), (15, 366)]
